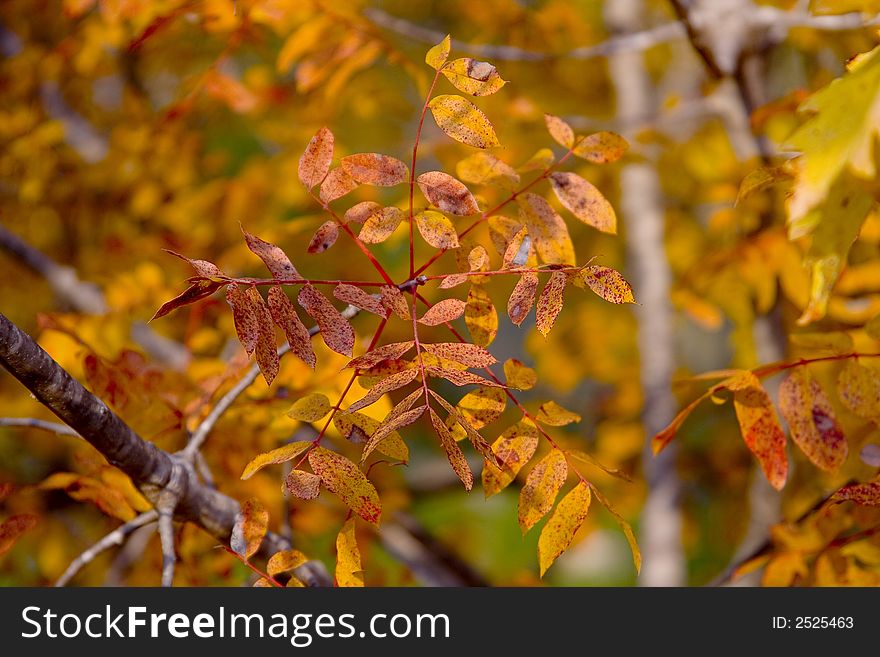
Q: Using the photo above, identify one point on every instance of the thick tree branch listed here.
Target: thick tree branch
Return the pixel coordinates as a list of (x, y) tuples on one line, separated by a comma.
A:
[(151, 469)]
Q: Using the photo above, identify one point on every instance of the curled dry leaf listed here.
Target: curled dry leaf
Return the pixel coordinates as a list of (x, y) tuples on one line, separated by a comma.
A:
[(522, 298), (550, 302), (281, 454), (584, 201), (336, 185), (315, 161), (473, 77), (343, 478), (379, 226), (461, 120), (375, 169), (284, 315), (480, 316), (273, 257), (303, 485), (547, 229), (519, 250), (355, 296), (601, 147), (447, 193), (336, 331), (203, 268), (195, 292), (436, 229), (560, 131), (324, 237), (811, 420), (443, 311), (310, 408), (541, 488), (453, 451), (566, 519), (349, 572), (249, 529)]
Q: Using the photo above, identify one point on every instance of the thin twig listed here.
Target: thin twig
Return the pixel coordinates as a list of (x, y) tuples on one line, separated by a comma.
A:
[(116, 537), (34, 423), (166, 539)]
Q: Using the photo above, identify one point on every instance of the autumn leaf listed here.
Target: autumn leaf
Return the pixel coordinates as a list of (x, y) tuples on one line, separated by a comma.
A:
[(355, 296), (553, 414), (379, 226), (760, 427), (360, 212), (359, 428), (518, 375), (584, 201), (560, 131), (284, 315), (375, 169), (473, 77), (542, 160), (348, 558), (315, 161), (203, 268), (447, 193), (513, 449), (859, 389), (482, 168), (550, 302), (303, 485), (195, 292), (443, 311), (607, 283), (249, 529), (482, 406), (558, 533), (461, 120), (310, 408), (324, 237), (393, 422), (244, 316), (541, 488), (546, 229), (862, 494), (281, 454), (624, 525), (810, 417), (386, 385), (393, 299), (285, 561), (601, 147), (336, 331), (480, 316), (461, 352), (436, 229), (344, 478), (453, 451), (460, 377), (522, 298), (437, 56), (14, 528), (337, 184), (266, 351), (377, 355)]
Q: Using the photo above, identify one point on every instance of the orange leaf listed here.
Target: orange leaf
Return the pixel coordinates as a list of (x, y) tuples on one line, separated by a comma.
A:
[(522, 298), (266, 351), (437, 230), (14, 528), (562, 525), (760, 428), (453, 451), (443, 311), (336, 331), (584, 201), (452, 281), (541, 488), (447, 193), (377, 355), (336, 185), (355, 296), (324, 237), (393, 299), (303, 485), (315, 161), (550, 302), (461, 352), (862, 494), (513, 449), (195, 292), (459, 377), (375, 169), (361, 212), (345, 479), (249, 529), (348, 558), (284, 315), (601, 147), (480, 316), (244, 316), (810, 417), (273, 257)]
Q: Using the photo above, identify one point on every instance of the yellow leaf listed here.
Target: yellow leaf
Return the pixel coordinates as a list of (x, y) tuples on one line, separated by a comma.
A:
[(559, 130), (473, 77), (553, 414), (607, 283), (342, 477), (859, 389), (437, 55), (437, 230), (547, 230), (584, 201), (250, 528), (482, 168), (562, 525), (513, 449), (282, 454), (310, 408), (518, 375), (625, 526), (284, 561), (348, 558), (541, 488), (601, 147), (461, 120), (760, 427), (550, 302), (480, 316)]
